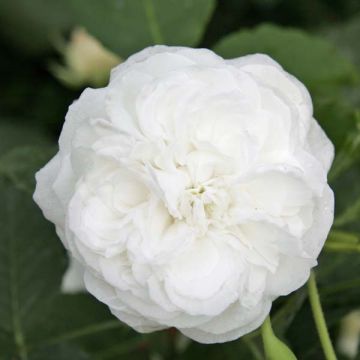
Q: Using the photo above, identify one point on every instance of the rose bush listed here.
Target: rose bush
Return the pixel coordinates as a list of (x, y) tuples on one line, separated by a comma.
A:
[(192, 189)]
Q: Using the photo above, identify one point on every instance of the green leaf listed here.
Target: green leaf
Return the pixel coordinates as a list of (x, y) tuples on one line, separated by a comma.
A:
[(312, 59), (274, 348), (343, 178), (31, 25), (127, 26), (335, 115), (60, 352), (93, 328), (21, 105), (31, 263), (347, 188), (20, 164), (6, 345), (349, 215), (34, 316), (15, 133), (338, 274), (346, 37), (349, 153)]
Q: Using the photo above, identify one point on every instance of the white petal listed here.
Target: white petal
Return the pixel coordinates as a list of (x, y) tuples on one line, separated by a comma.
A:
[(90, 105), (73, 279), (320, 145), (200, 56), (44, 195), (245, 323)]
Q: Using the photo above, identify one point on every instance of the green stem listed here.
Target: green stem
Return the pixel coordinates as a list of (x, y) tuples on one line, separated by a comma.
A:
[(319, 319)]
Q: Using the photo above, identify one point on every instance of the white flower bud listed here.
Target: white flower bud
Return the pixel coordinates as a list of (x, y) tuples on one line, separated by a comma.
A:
[(349, 335), (87, 61)]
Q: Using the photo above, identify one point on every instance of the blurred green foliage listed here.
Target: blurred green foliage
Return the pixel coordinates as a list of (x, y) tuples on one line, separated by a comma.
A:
[(317, 40)]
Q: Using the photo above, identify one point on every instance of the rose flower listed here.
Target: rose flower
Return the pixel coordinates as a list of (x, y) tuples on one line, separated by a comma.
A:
[(192, 189)]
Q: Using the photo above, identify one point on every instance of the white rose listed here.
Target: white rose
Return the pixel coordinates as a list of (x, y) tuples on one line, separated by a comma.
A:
[(192, 189)]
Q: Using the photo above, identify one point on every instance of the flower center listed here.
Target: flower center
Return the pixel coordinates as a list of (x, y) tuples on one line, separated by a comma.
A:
[(203, 205)]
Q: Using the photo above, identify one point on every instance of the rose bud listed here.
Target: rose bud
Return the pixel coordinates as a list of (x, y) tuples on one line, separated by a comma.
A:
[(87, 61)]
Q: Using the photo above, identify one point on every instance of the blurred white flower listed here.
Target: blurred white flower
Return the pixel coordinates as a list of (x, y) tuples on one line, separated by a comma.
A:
[(192, 189), (86, 61), (349, 336)]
